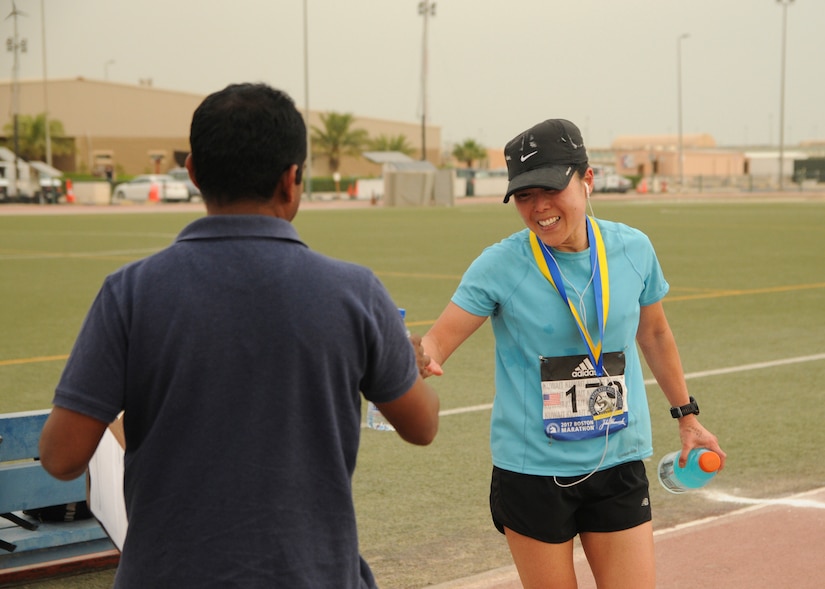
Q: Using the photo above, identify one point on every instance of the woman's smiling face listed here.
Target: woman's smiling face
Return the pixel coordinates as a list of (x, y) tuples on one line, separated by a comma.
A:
[(557, 217)]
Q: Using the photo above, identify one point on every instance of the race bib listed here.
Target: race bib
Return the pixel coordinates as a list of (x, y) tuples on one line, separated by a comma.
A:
[(578, 404)]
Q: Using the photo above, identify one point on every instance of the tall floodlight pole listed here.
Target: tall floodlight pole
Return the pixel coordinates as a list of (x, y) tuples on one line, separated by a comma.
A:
[(425, 9), (308, 173), (45, 85), (679, 92), (16, 45), (784, 4)]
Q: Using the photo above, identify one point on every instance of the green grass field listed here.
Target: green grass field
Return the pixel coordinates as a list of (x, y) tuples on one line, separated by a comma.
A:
[(747, 292)]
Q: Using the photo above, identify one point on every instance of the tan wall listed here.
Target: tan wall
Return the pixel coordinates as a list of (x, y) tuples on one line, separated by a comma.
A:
[(131, 156), (109, 109), (132, 121), (696, 162)]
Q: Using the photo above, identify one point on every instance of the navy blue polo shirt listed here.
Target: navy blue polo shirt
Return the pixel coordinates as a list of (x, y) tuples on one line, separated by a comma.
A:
[(238, 355)]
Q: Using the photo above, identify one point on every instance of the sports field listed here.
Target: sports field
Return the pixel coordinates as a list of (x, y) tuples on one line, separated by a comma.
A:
[(747, 305)]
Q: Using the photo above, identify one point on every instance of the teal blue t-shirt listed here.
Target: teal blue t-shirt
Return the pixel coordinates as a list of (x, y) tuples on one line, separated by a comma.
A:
[(530, 320)]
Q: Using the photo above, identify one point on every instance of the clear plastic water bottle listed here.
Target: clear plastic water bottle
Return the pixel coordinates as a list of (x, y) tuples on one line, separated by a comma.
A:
[(375, 420), (702, 465)]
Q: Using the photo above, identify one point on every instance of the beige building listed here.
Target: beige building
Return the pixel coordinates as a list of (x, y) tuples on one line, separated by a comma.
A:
[(141, 129), (658, 155)]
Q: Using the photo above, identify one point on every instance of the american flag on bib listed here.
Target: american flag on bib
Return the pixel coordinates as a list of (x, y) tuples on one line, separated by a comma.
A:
[(551, 399)]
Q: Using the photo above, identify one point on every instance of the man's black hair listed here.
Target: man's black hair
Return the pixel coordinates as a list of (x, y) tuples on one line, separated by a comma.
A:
[(243, 138)]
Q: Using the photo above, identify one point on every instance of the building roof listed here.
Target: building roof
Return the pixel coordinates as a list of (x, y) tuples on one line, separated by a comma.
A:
[(387, 157), (694, 140), (46, 170), (397, 161)]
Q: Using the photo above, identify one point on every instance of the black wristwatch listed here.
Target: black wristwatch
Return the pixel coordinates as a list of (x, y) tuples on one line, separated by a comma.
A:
[(690, 408)]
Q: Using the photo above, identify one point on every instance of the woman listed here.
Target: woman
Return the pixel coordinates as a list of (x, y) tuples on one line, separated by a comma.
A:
[(569, 298)]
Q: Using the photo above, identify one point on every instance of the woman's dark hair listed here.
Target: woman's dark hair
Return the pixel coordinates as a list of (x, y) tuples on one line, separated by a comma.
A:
[(582, 169), (243, 138)]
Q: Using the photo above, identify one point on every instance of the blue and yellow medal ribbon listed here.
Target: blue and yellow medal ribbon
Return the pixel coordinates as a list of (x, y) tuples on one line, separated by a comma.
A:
[(601, 286)]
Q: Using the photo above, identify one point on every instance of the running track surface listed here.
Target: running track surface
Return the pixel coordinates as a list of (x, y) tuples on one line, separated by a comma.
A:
[(773, 544)]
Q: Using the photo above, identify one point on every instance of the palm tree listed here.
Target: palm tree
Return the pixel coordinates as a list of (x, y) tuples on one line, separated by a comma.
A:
[(31, 137), (469, 151), (391, 143), (337, 138)]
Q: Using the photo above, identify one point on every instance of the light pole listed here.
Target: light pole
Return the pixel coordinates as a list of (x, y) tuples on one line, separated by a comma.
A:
[(106, 68), (426, 9), (45, 86), (784, 4), (16, 45), (679, 93), (308, 172)]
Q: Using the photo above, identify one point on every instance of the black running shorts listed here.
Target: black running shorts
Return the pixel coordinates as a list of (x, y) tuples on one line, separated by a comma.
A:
[(538, 507)]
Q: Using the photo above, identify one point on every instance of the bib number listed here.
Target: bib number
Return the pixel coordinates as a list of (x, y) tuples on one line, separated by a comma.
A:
[(579, 405)]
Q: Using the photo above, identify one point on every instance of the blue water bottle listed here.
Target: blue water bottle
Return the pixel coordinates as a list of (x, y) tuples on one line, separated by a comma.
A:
[(702, 465)]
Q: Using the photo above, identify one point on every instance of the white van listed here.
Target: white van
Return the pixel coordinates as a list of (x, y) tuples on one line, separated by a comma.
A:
[(605, 179)]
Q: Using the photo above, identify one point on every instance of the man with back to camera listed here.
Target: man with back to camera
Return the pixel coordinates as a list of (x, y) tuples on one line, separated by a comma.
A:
[(237, 355)]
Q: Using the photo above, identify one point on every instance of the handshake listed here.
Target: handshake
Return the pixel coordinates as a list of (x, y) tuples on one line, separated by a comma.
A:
[(426, 365)]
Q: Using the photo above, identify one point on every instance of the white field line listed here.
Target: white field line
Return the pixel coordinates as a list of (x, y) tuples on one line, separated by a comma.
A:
[(98, 254), (792, 501), (688, 376), (798, 500)]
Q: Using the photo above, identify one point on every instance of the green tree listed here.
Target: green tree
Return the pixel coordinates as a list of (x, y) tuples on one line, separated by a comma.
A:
[(31, 137), (337, 138), (469, 151), (391, 143)]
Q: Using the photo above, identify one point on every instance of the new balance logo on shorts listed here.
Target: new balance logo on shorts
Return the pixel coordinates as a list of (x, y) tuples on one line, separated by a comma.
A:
[(586, 368)]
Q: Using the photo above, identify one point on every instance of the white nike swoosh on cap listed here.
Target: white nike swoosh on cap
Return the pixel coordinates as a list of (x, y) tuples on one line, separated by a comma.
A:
[(528, 156)]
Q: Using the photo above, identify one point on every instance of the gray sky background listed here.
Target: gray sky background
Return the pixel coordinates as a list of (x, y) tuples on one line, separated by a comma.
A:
[(495, 67)]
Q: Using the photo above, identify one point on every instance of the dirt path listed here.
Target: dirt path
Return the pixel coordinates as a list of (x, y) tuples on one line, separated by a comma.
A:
[(768, 544), (325, 201)]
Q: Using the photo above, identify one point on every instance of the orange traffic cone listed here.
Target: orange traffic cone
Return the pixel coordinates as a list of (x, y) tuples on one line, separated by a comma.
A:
[(69, 191), (154, 193), (351, 191), (642, 187)]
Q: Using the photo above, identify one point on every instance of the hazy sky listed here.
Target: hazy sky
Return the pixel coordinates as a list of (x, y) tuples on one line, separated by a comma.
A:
[(495, 67)]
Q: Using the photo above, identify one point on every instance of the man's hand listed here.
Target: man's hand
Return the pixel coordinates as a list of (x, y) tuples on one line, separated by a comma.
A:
[(426, 365)]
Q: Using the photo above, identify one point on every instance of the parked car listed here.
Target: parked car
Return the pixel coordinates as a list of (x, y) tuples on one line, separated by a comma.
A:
[(140, 188), (182, 174), (51, 189), (605, 179)]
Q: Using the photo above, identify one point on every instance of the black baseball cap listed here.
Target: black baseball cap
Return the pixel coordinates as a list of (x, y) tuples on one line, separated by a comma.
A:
[(544, 156)]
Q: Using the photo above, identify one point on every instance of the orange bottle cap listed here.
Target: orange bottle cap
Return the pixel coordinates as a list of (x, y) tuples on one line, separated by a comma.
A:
[(710, 461)]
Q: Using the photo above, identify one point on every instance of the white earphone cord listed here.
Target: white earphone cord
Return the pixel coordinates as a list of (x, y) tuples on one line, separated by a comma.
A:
[(601, 460), (584, 317), (583, 311)]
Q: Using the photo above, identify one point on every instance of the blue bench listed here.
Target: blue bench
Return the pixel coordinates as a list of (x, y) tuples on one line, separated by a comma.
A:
[(30, 549)]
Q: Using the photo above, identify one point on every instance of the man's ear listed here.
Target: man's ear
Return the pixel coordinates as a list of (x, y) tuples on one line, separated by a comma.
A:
[(190, 167), (290, 179)]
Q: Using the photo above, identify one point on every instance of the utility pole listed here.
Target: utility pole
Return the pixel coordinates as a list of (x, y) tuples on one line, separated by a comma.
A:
[(426, 9), (679, 84), (45, 86), (16, 45), (308, 174), (784, 4)]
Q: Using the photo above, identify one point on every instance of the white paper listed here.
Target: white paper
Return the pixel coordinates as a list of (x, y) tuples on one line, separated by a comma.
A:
[(106, 499)]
